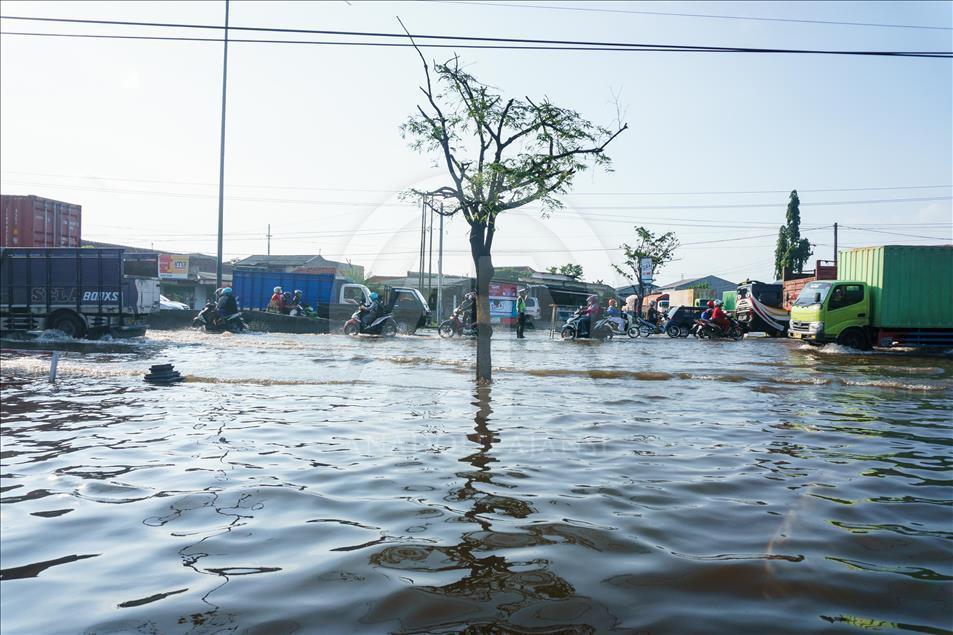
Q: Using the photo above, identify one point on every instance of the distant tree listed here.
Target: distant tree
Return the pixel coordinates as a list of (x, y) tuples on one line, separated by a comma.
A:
[(571, 270), (501, 154), (792, 251), (660, 248), (553, 269)]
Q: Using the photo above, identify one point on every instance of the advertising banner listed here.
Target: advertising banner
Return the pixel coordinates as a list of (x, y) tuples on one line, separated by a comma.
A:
[(646, 266), (502, 298), (173, 267)]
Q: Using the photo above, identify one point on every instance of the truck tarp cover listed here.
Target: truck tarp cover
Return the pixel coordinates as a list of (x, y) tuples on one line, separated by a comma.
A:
[(253, 288), (910, 287), (77, 277)]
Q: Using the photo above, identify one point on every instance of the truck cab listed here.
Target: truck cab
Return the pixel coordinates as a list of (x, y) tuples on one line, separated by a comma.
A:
[(408, 307), (832, 311)]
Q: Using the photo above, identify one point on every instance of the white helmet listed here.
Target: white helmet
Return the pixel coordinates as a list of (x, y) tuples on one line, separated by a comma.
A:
[(277, 290), (718, 303)]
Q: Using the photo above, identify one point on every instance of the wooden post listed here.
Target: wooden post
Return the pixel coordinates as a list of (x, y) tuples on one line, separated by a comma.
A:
[(552, 323)]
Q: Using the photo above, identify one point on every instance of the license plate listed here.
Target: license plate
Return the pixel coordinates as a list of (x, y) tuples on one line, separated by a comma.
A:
[(797, 335)]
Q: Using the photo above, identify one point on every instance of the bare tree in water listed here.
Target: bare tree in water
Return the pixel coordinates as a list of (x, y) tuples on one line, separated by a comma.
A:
[(501, 154)]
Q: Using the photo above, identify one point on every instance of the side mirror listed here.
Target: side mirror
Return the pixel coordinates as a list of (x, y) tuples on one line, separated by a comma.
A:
[(817, 298)]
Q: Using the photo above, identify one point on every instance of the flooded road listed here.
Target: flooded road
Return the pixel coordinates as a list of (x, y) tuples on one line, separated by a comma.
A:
[(306, 484)]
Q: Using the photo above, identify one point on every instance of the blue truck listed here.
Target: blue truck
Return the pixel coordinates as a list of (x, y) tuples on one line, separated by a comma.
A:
[(81, 292), (333, 298)]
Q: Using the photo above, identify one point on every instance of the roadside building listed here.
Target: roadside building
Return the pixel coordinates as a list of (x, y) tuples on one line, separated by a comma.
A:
[(303, 264), (188, 278)]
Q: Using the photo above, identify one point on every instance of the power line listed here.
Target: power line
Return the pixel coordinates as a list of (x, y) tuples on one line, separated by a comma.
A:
[(497, 41), (880, 231), (383, 191), (256, 199), (696, 15)]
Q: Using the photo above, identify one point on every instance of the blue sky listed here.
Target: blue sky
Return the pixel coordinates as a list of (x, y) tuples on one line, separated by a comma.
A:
[(130, 129)]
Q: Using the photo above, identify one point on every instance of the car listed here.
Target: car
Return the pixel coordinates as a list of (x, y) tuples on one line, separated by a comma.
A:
[(166, 304), (682, 318)]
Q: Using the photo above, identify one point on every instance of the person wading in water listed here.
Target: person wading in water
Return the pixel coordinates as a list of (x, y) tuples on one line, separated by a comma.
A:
[(521, 314)]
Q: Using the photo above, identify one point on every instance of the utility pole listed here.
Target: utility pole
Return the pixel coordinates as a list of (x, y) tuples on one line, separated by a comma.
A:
[(430, 257), (440, 270), (835, 247), (423, 241), (221, 162), (268, 235)]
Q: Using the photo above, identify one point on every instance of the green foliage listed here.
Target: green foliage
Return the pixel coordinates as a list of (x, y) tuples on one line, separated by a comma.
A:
[(501, 153), (792, 251), (569, 269), (659, 247)]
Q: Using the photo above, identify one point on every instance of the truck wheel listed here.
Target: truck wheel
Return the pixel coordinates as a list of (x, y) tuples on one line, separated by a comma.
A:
[(69, 323), (854, 338)]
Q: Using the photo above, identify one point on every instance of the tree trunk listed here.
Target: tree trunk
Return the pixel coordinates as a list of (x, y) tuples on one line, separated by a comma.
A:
[(481, 241), (484, 270)]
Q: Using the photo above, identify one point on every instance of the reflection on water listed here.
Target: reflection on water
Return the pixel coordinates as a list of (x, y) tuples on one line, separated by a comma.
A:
[(320, 484)]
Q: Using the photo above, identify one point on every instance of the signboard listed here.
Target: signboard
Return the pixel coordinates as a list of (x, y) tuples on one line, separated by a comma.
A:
[(173, 267), (502, 298), (646, 266)]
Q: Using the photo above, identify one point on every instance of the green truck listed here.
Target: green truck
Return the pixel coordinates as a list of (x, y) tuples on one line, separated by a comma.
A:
[(893, 295)]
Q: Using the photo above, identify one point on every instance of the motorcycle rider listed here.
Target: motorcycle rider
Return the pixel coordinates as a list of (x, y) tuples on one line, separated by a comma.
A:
[(467, 309), (706, 314), (295, 307), (653, 314), (719, 317), (226, 304), (613, 312), (370, 311), (277, 302), (589, 315)]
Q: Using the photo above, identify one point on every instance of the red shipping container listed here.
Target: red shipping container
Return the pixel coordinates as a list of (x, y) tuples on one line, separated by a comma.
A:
[(34, 221)]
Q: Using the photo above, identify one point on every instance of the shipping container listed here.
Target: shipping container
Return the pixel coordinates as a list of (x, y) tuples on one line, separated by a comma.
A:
[(910, 286), (729, 299), (682, 297), (34, 221)]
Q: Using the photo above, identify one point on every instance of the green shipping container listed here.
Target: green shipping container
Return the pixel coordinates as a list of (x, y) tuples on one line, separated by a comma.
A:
[(910, 287), (729, 299)]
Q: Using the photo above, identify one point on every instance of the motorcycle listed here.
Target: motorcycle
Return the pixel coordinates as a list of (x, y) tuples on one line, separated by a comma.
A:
[(209, 321), (601, 329), (646, 328), (456, 326), (384, 325), (706, 330), (623, 325)]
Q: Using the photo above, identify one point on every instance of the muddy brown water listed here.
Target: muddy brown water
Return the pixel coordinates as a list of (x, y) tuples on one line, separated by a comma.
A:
[(318, 484)]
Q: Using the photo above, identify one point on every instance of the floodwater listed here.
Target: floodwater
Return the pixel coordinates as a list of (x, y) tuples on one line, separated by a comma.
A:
[(318, 484)]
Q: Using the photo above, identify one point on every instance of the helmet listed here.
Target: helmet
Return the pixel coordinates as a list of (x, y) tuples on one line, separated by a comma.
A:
[(522, 291), (374, 295), (298, 292), (711, 304), (591, 299), (277, 290), (227, 291), (717, 302)]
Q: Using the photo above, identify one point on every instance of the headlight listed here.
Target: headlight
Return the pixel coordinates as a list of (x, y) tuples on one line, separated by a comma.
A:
[(815, 327)]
